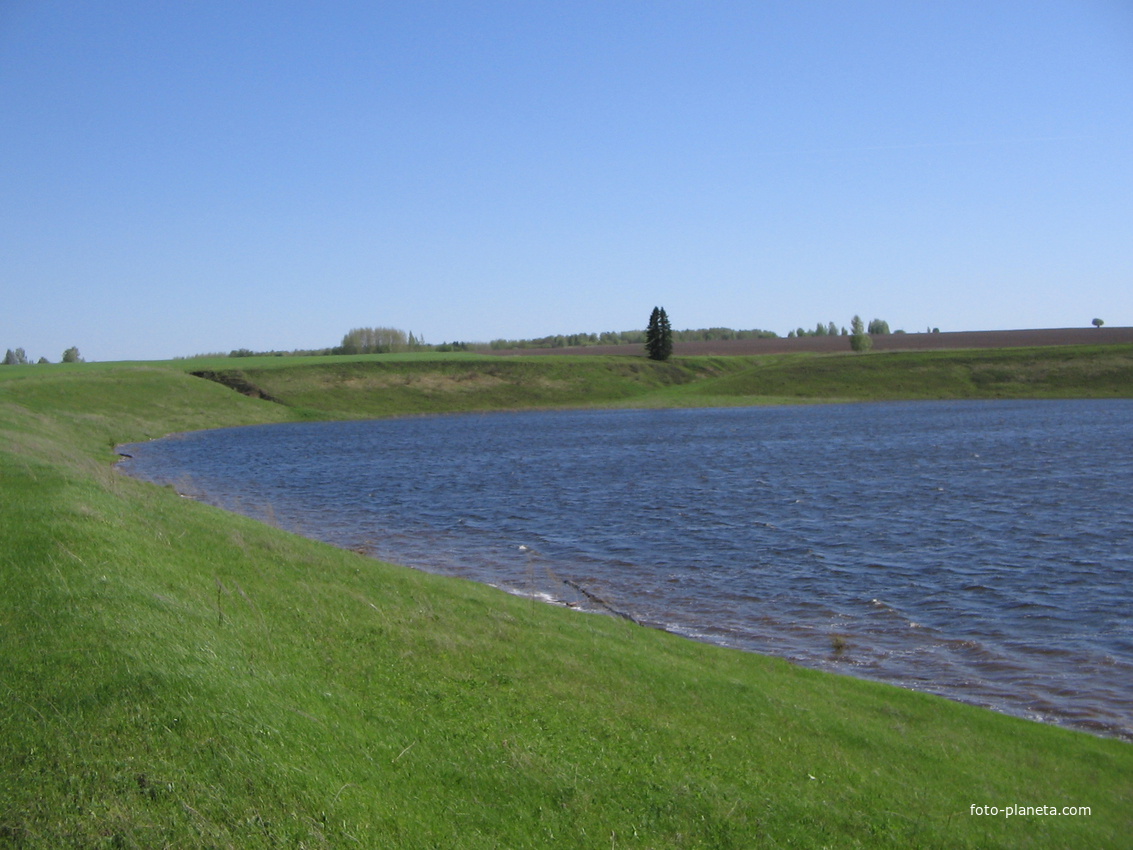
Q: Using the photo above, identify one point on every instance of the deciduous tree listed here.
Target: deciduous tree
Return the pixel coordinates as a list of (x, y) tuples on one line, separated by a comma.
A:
[(373, 341), (859, 339)]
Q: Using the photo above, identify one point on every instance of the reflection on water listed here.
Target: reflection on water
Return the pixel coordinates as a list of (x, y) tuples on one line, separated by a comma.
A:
[(978, 550)]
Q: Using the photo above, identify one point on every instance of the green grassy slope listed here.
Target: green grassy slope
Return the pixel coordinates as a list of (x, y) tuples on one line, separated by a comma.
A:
[(172, 675), (383, 385), (1066, 372)]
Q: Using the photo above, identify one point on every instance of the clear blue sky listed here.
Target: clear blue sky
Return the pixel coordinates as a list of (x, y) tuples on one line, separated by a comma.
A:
[(178, 178)]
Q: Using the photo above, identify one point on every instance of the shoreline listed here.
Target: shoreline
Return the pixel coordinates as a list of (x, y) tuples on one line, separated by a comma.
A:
[(181, 675), (1033, 706)]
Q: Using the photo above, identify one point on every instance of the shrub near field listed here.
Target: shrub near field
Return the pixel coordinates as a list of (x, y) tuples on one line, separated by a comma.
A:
[(176, 676)]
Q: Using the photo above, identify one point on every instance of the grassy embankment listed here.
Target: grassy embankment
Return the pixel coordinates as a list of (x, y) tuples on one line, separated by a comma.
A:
[(353, 387), (172, 675)]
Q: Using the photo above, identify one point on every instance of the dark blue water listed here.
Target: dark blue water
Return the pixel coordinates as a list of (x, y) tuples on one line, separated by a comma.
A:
[(979, 550)]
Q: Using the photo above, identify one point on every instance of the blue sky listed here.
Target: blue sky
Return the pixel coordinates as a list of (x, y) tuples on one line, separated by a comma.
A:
[(178, 178)]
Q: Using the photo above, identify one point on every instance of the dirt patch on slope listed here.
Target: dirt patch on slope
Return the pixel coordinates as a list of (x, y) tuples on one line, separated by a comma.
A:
[(236, 381)]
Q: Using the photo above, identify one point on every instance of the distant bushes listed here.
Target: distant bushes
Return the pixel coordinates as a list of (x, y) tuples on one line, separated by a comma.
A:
[(247, 352), (875, 327), (636, 338), (387, 340), (376, 341), (355, 341), (19, 357), (829, 329)]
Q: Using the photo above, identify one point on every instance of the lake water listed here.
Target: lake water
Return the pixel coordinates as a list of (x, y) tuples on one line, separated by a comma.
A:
[(978, 550)]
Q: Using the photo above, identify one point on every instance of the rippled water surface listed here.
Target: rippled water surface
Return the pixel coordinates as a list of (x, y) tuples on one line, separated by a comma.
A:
[(980, 550)]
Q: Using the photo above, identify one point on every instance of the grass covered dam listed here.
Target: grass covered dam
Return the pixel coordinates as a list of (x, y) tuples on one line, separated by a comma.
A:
[(173, 675)]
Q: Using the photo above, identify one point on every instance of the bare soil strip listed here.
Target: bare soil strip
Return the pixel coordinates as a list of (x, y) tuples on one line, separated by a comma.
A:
[(881, 342)]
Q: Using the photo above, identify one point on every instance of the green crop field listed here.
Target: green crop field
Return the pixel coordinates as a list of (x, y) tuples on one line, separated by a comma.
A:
[(175, 676)]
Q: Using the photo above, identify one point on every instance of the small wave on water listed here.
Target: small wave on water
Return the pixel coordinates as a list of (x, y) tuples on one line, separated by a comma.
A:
[(968, 549)]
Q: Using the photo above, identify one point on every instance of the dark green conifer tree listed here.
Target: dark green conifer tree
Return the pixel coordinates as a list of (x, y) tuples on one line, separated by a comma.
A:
[(659, 335)]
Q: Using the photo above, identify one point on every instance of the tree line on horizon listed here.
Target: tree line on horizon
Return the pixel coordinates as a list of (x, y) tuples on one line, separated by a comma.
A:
[(388, 340), (875, 328), (385, 340), (19, 357), (378, 340), (636, 337)]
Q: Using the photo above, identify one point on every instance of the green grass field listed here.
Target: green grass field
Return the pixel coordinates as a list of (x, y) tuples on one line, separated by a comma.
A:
[(175, 676), (401, 384)]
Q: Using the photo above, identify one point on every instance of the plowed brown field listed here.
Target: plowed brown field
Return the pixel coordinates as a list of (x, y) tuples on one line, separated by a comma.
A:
[(881, 342)]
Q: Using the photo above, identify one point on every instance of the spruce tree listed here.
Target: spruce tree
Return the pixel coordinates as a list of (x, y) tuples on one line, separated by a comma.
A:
[(653, 333), (659, 335)]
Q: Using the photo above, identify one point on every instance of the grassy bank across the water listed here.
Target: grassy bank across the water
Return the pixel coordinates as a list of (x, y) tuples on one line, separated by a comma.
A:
[(392, 385), (175, 676)]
